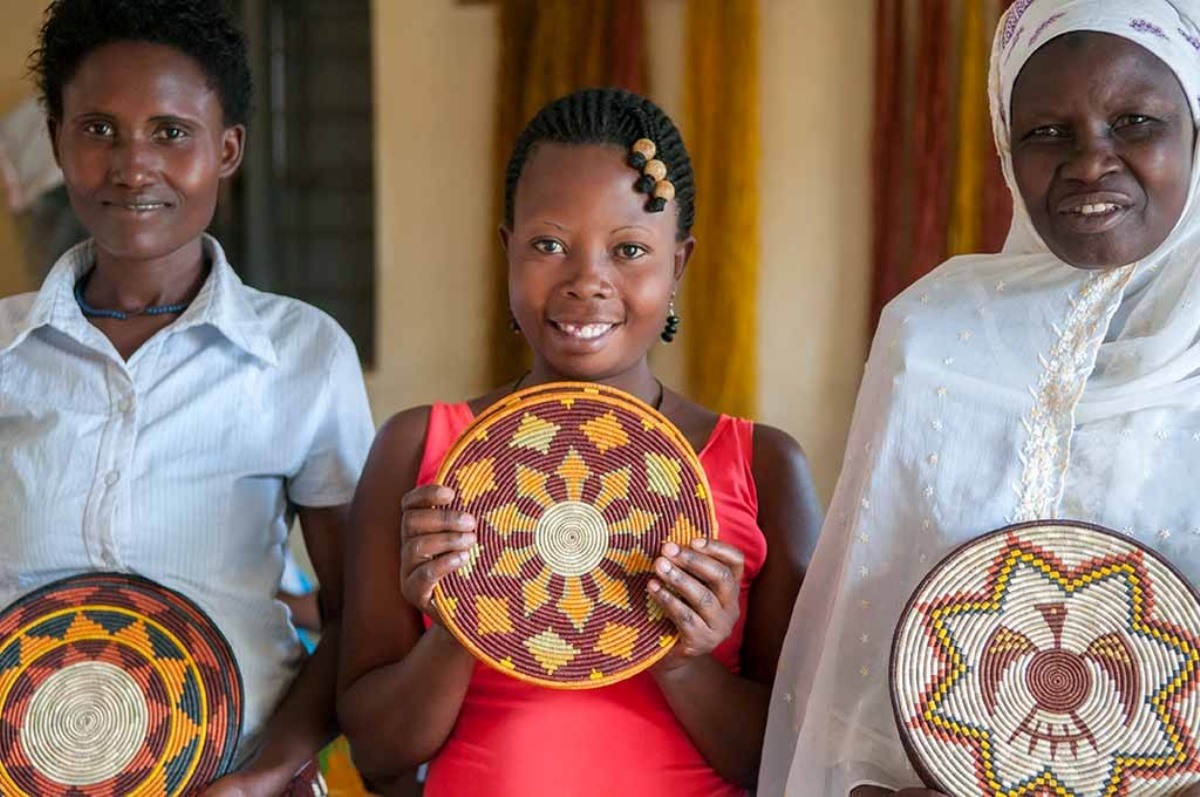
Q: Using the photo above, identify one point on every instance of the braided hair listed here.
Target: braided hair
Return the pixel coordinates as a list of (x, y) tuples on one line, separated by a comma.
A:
[(204, 30), (610, 116)]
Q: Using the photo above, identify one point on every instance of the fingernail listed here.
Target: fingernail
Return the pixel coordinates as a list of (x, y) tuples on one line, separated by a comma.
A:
[(655, 586), (463, 557), (671, 549), (663, 566), (699, 542), (468, 540), (468, 522)]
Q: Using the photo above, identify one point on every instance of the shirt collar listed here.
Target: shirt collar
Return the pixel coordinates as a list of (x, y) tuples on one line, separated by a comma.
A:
[(223, 303)]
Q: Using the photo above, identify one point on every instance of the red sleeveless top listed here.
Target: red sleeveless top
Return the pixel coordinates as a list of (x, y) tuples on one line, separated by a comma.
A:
[(513, 739)]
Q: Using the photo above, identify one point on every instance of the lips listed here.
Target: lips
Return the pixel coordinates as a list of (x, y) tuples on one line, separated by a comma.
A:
[(138, 205), (1092, 213)]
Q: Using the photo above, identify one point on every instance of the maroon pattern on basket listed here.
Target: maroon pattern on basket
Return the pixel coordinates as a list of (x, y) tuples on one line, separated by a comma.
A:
[(575, 488), (110, 685), (1050, 658)]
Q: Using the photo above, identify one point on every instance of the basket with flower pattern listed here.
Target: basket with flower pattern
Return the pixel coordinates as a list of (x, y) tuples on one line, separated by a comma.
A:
[(1051, 658), (575, 488), (113, 685)]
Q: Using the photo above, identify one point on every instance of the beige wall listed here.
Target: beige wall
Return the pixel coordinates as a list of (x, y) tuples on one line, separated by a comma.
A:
[(435, 66), (433, 135), (19, 21)]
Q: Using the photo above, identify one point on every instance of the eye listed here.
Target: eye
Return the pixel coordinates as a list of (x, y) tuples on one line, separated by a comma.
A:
[(631, 251), (549, 246), (1046, 132), (171, 133), (1132, 120), (99, 129)]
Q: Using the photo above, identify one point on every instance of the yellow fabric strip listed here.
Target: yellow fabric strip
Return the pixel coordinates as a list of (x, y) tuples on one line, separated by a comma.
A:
[(722, 126), (965, 232)]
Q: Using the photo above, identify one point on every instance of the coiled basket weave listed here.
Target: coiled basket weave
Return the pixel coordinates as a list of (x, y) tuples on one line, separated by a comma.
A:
[(113, 685), (575, 488), (1050, 658)]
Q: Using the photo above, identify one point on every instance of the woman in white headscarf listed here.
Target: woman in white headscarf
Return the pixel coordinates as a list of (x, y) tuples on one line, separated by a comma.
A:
[(1058, 379)]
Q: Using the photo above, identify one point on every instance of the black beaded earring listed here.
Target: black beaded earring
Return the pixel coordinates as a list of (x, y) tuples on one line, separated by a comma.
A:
[(672, 328), (512, 323)]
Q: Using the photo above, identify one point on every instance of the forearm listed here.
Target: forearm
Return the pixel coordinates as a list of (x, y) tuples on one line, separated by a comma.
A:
[(724, 714), (399, 715), (304, 722)]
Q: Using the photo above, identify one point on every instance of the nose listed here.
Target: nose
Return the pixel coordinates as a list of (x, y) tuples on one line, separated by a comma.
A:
[(134, 163), (1093, 158), (590, 274)]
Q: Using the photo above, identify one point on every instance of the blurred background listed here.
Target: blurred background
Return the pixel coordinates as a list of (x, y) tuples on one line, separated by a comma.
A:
[(842, 149)]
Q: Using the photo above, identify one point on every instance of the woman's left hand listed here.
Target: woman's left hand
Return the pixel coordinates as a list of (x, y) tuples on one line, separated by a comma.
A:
[(698, 587)]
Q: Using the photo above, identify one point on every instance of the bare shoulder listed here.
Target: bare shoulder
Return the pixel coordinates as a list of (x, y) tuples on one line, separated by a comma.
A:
[(774, 448), (401, 434)]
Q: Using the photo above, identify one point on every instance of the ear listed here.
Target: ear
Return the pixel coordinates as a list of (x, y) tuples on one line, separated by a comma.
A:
[(683, 254), (505, 236), (53, 128), (233, 147)]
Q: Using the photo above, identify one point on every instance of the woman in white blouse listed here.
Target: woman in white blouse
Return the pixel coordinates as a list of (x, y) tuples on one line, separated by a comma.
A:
[(157, 416)]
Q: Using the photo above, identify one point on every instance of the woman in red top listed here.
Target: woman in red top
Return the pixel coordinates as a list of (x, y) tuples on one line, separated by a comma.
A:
[(595, 251)]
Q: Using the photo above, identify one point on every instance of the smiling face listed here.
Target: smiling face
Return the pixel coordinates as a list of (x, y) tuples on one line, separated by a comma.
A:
[(1102, 148), (590, 271), (143, 146)]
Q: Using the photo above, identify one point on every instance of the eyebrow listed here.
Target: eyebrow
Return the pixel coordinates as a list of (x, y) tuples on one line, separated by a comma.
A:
[(632, 228), (160, 119)]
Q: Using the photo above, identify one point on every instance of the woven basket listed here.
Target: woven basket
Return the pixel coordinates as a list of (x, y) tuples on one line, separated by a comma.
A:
[(575, 487), (1050, 658), (113, 685)]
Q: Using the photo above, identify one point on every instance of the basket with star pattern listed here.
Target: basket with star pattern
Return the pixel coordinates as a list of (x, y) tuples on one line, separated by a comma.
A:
[(113, 685), (575, 488), (1050, 658)]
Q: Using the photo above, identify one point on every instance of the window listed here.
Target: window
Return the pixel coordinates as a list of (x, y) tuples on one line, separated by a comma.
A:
[(299, 219)]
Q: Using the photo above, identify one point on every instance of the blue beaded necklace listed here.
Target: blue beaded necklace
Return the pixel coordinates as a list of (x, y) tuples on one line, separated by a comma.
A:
[(96, 312)]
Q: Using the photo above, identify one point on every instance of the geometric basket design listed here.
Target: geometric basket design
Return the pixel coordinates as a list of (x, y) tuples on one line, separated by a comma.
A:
[(113, 685), (1050, 658), (575, 488)]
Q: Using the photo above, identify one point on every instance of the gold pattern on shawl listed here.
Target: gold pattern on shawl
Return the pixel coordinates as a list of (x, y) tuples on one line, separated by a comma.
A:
[(1048, 426)]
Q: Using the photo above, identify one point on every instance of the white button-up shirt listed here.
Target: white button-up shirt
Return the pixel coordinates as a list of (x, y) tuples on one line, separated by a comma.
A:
[(182, 464)]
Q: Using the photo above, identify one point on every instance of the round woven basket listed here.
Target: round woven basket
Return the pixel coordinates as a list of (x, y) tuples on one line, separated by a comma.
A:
[(113, 685), (1050, 658), (575, 488)]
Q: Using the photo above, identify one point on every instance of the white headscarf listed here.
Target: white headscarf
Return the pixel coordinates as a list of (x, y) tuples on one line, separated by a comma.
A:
[(998, 390)]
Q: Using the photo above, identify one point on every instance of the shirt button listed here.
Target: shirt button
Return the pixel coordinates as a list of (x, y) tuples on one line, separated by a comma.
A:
[(125, 405), (112, 477)]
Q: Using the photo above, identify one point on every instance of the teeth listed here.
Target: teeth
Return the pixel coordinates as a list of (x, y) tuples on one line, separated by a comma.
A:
[(585, 331), (144, 206), (1096, 209)]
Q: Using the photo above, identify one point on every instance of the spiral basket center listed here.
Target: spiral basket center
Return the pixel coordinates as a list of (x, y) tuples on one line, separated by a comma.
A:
[(572, 538), (85, 724)]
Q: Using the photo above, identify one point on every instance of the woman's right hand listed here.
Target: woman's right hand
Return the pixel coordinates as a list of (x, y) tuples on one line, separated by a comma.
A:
[(434, 542)]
